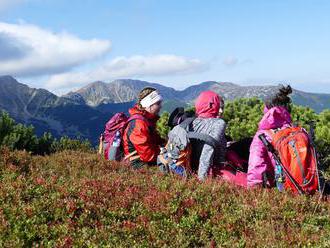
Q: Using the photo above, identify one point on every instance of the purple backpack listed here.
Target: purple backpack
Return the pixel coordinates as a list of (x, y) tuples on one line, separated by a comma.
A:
[(117, 123)]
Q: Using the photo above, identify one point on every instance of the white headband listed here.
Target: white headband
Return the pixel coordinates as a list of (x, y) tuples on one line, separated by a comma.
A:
[(151, 99)]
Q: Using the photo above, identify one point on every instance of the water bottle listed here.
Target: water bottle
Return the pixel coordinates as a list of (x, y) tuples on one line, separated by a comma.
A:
[(116, 140), (179, 170), (279, 177), (114, 152)]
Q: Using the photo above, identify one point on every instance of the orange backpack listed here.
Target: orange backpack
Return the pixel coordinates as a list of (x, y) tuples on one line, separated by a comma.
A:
[(298, 156), (181, 166)]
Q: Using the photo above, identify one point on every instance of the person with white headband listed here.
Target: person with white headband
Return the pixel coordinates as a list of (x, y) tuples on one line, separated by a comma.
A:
[(141, 141)]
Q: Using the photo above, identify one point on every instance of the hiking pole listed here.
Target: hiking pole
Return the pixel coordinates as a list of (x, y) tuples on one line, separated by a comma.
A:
[(278, 162), (319, 167)]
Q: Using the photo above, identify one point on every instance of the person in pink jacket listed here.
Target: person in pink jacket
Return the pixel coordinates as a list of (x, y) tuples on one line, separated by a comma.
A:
[(276, 116)]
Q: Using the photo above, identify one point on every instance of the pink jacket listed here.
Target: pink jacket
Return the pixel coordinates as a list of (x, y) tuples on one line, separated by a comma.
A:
[(260, 160)]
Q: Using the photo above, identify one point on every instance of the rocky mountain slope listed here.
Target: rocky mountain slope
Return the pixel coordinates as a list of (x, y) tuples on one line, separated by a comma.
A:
[(126, 90)]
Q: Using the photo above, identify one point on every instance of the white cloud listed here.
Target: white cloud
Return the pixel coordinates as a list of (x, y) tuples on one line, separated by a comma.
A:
[(230, 61), (135, 66), (28, 50)]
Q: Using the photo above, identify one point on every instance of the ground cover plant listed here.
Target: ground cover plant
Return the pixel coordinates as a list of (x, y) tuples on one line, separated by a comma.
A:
[(75, 198)]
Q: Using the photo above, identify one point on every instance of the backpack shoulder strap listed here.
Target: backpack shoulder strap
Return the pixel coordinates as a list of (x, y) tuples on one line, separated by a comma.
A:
[(208, 139), (198, 136), (187, 122), (138, 117)]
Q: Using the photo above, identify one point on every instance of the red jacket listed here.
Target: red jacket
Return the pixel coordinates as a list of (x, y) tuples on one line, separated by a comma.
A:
[(141, 135)]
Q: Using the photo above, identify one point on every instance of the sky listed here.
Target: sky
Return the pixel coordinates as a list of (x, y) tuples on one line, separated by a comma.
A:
[(63, 45)]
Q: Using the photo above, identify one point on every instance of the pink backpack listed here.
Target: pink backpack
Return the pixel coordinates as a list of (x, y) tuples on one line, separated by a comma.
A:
[(116, 124)]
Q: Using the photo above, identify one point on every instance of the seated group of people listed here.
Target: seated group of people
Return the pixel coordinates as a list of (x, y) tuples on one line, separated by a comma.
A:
[(141, 138)]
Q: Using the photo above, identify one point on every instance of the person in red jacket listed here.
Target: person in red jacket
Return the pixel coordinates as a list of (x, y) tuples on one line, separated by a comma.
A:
[(141, 140)]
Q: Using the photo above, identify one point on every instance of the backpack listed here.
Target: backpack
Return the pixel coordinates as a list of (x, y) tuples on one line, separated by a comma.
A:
[(297, 154), (111, 146), (175, 157)]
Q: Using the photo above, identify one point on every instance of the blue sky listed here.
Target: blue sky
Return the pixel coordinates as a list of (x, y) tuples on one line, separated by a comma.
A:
[(62, 45)]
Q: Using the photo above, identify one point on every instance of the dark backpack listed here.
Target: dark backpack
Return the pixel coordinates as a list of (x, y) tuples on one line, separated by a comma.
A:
[(175, 157)]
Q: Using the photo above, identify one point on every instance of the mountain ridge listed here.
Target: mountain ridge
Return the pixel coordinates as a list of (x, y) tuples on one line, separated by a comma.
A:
[(84, 112), (125, 90)]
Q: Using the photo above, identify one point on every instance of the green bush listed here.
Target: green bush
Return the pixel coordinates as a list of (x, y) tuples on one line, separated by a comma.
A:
[(21, 137), (242, 117), (323, 138), (66, 143), (162, 125)]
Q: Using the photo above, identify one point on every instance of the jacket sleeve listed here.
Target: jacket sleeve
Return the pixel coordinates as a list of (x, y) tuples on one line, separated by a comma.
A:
[(143, 142), (208, 152), (260, 161)]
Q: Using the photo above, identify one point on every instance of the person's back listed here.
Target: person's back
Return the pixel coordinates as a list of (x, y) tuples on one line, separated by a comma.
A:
[(208, 107), (205, 156)]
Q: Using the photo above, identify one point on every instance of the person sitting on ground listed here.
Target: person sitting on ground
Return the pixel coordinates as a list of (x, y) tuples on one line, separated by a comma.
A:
[(209, 107), (141, 140), (276, 116)]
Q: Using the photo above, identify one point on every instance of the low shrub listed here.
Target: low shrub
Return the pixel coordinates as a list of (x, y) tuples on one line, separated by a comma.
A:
[(72, 198)]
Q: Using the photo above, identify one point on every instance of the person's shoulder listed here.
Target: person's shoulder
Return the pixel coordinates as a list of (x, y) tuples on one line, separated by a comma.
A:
[(218, 121), (144, 124), (142, 121), (210, 120), (215, 124), (219, 125)]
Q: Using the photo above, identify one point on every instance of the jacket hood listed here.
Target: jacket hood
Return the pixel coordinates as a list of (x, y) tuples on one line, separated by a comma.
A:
[(207, 105), (275, 117)]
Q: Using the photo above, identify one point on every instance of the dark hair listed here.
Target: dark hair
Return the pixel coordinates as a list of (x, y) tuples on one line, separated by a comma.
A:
[(143, 93), (179, 115), (281, 98)]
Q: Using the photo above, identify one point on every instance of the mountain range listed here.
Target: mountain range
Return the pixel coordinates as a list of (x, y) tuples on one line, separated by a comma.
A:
[(84, 112)]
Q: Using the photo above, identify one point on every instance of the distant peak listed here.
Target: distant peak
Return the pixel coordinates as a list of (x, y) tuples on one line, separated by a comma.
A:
[(208, 82), (7, 78), (211, 83), (228, 84), (96, 83), (93, 84), (129, 81)]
